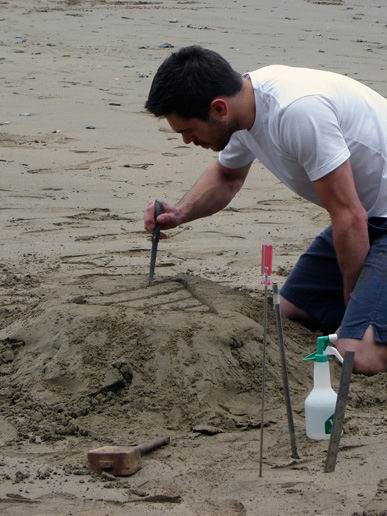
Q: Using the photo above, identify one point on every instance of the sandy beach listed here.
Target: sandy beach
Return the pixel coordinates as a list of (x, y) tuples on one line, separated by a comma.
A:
[(89, 354)]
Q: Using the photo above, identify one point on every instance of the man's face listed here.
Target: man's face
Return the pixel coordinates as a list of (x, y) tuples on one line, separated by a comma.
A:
[(215, 133)]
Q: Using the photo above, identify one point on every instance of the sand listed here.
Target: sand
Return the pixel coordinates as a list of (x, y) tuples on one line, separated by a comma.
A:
[(89, 355)]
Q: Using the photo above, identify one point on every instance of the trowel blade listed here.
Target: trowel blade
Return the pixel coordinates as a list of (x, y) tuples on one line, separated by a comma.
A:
[(155, 243), (159, 208)]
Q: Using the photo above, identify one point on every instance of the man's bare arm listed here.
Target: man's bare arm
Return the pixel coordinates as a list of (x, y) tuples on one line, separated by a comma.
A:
[(349, 222), (213, 191)]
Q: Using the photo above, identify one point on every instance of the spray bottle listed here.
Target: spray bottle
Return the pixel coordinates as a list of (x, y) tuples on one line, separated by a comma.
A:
[(321, 401)]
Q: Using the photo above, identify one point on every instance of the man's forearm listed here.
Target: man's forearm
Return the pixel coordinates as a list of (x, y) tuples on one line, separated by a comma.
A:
[(210, 194), (352, 245)]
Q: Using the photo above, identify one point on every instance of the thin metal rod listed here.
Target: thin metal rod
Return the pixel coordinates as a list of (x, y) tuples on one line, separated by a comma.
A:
[(338, 418), (285, 379), (263, 379)]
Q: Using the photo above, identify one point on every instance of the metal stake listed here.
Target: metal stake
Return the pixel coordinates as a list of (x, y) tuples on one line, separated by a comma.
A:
[(338, 418), (158, 209), (266, 254), (263, 379), (285, 379)]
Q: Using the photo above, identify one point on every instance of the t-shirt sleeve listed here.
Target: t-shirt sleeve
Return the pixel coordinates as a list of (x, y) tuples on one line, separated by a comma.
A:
[(310, 132), (235, 154)]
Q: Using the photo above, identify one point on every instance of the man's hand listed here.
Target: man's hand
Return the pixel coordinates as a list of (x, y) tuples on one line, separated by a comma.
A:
[(169, 219), (338, 196)]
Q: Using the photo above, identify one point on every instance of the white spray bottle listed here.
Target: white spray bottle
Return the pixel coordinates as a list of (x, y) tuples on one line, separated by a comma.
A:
[(321, 401)]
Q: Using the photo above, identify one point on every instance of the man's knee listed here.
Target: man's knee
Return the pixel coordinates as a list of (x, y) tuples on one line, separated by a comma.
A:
[(370, 358), (360, 363), (291, 311)]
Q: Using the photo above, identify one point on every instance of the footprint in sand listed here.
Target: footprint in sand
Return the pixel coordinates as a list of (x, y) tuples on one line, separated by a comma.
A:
[(141, 166), (326, 2)]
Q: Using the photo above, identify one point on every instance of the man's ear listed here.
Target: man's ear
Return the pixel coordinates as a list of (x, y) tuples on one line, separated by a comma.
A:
[(219, 107)]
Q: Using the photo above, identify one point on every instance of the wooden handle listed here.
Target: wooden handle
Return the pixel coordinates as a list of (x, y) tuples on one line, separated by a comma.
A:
[(153, 444)]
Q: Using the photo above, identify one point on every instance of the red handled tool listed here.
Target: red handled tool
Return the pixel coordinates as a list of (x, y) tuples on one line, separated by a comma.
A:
[(266, 259)]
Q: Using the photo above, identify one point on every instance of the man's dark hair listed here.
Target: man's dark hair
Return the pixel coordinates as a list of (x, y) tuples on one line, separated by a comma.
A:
[(188, 80)]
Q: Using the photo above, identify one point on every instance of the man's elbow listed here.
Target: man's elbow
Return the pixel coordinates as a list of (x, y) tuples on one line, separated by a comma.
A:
[(349, 220), (234, 178), (236, 185)]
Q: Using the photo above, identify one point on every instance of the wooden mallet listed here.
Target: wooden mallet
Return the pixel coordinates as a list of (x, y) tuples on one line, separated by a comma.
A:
[(122, 461)]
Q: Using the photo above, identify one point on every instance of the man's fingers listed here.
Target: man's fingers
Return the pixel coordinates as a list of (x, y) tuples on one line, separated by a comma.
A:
[(149, 221), (166, 220)]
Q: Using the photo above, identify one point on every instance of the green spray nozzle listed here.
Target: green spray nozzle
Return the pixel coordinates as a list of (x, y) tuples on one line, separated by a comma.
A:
[(323, 349), (319, 355)]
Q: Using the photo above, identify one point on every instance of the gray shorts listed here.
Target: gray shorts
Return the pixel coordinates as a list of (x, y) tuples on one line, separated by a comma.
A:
[(316, 286)]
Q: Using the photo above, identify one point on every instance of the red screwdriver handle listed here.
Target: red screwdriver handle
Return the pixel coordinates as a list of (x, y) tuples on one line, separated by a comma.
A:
[(266, 264)]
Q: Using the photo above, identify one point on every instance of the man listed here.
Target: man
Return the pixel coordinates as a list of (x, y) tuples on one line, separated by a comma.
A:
[(324, 136)]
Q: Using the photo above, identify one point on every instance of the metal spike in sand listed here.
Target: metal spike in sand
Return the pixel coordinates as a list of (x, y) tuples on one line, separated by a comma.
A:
[(338, 418), (285, 379), (266, 259), (158, 210)]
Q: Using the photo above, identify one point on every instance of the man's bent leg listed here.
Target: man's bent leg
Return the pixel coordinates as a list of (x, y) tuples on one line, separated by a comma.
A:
[(291, 311), (364, 325), (370, 357), (313, 292)]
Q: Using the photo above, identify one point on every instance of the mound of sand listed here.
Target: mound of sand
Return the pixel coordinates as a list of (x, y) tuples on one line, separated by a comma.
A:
[(104, 359), (106, 356), (183, 352)]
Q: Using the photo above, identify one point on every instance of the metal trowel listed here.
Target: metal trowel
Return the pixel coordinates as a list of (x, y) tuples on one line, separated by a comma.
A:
[(159, 208)]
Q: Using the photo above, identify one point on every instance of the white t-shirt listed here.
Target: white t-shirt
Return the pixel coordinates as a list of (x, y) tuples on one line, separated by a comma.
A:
[(308, 122)]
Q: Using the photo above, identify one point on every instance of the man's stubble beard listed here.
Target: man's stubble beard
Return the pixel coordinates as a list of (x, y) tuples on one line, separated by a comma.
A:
[(224, 132)]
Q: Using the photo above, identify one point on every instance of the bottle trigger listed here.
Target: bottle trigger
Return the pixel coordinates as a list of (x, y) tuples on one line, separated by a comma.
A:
[(330, 350)]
